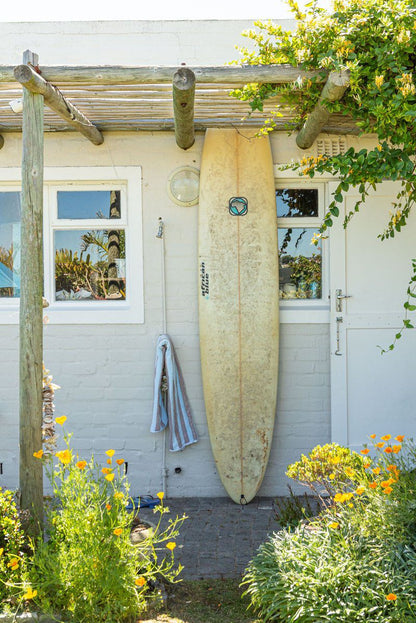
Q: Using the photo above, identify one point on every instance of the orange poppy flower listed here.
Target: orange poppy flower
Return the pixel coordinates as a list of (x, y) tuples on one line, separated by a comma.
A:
[(399, 438), (385, 437), (391, 597), (365, 451), (388, 450)]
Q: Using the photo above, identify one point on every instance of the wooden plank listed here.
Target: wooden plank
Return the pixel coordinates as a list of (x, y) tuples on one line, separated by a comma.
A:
[(31, 314), (33, 82), (233, 74), (183, 107), (333, 90)]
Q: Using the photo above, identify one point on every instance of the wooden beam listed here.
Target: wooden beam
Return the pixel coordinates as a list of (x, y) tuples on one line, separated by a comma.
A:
[(31, 308), (333, 90), (34, 83), (183, 107), (229, 74)]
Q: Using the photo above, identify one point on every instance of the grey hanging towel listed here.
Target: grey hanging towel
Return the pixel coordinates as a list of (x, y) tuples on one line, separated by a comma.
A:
[(177, 411)]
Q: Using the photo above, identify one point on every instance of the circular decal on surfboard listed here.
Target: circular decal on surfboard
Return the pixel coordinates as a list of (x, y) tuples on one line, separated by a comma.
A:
[(238, 206)]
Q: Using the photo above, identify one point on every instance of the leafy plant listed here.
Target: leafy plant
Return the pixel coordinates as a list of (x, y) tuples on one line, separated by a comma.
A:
[(374, 40), (290, 511), (356, 560), (13, 551), (88, 569)]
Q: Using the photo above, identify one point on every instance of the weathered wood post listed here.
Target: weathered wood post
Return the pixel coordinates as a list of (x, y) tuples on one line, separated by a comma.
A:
[(183, 107), (31, 315)]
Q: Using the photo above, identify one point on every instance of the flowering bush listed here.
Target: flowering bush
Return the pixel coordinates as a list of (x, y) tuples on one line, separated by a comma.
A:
[(356, 561), (12, 555), (89, 569), (374, 40)]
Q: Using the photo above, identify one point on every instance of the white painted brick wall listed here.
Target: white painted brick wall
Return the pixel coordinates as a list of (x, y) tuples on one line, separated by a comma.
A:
[(106, 371)]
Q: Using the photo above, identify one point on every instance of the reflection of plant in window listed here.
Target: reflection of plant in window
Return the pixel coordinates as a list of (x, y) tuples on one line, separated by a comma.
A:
[(6, 259), (306, 269)]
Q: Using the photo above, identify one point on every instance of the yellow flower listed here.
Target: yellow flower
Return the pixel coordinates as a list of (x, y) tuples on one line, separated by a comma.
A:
[(331, 476), (30, 594), (110, 453), (118, 531), (1, 550), (380, 444), (366, 465), (396, 449), (385, 437), (109, 461), (38, 454), (334, 525), (140, 581), (118, 495), (13, 564), (379, 147), (171, 545), (81, 464), (160, 495), (64, 456), (399, 438), (391, 597), (61, 420), (387, 490), (109, 477), (379, 80), (373, 436), (349, 472), (120, 461), (360, 490), (376, 470)]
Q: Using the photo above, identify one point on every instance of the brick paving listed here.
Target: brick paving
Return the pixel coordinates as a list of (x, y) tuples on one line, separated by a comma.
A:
[(219, 537)]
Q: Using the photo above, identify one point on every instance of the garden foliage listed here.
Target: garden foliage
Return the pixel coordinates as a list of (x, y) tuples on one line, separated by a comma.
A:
[(374, 40), (12, 551), (88, 568), (356, 561)]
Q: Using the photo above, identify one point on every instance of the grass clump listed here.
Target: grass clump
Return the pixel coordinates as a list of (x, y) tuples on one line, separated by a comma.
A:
[(355, 561)]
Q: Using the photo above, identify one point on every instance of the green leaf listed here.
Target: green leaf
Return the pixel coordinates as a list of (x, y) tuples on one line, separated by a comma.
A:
[(334, 211)]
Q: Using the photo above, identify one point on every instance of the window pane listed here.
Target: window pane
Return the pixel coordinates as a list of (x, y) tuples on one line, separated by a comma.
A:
[(90, 265), (297, 202), (300, 264), (83, 204), (9, 244)]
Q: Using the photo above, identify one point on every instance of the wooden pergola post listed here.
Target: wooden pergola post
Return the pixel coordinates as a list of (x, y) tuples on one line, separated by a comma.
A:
[(31, 315), (183, 107)]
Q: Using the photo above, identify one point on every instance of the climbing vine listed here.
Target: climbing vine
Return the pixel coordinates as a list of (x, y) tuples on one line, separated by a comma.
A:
[(375, 40)]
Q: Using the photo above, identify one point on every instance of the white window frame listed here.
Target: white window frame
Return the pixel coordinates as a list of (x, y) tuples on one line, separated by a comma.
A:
[(306, 311), (128, 181)]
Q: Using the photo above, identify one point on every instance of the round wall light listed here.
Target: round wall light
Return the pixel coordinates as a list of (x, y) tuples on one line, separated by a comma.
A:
[(183, 186)]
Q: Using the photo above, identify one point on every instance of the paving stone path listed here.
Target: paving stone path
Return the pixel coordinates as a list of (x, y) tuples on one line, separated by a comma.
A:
[(219, 537)]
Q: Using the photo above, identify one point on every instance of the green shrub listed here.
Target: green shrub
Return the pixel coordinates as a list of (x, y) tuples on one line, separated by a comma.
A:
[(356, 561), (88, 569), (12, 551)]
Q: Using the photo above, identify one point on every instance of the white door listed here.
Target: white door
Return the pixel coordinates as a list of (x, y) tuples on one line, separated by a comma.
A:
[(371, 392)]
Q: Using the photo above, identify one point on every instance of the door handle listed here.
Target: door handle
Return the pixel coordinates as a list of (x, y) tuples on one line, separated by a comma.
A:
[(339, 298)]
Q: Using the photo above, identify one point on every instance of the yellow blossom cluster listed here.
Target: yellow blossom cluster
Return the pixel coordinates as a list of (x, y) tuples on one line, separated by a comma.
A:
[(405, 84)]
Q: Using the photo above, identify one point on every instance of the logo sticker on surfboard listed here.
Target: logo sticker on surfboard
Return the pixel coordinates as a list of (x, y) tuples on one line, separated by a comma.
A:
[(238, 206)]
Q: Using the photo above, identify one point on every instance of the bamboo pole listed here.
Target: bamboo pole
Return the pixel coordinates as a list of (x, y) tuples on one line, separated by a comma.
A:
[(228, 74), (183, 107), (333, 90), (33, 82), (31, 315)]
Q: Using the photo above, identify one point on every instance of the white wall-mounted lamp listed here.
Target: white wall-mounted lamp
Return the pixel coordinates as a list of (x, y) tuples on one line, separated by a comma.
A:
[(183, 186)]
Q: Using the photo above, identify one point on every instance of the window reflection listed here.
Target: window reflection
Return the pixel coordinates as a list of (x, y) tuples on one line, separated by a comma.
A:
[(9, 244), (296, 202), (90, 265), (88, 204), (300, 264)]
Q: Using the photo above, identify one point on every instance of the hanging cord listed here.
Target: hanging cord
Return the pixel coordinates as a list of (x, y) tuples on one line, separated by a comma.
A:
[(160, 235)]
